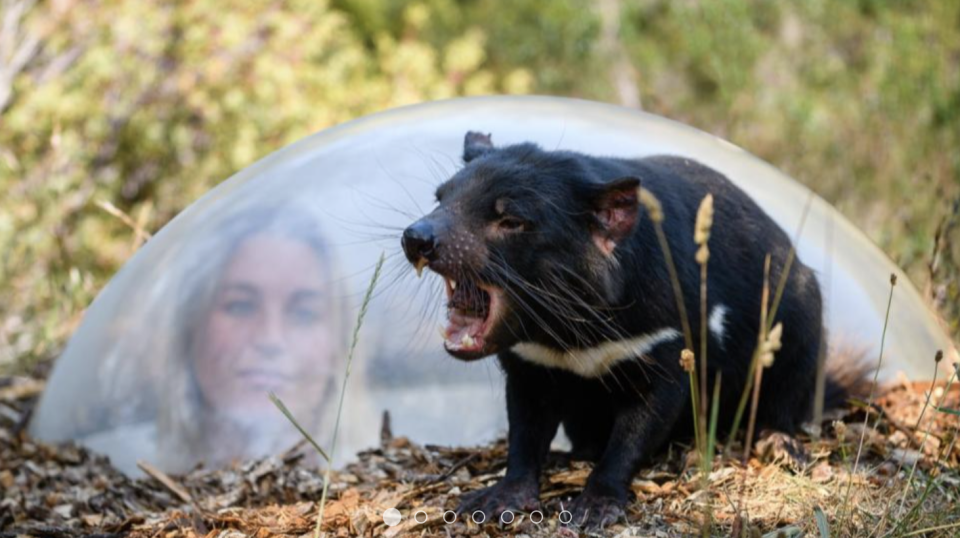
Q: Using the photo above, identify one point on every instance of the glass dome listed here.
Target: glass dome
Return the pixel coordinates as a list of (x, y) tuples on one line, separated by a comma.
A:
[(255, 287)]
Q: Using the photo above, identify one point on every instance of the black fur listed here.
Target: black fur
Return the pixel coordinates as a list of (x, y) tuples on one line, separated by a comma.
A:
[(535, 224)]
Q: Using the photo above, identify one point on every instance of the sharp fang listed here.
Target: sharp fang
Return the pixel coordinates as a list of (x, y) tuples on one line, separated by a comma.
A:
[(467, 341), (421, 263), (443, 331), (453, 285)]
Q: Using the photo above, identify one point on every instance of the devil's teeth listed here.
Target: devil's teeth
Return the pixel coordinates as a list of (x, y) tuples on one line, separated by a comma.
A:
[(453, 284), (421, 263)]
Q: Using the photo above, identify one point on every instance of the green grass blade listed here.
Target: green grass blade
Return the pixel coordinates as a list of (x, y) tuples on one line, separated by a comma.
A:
[(714, 413), (822, 523), (343, 389), (286, 412), (949, 411)]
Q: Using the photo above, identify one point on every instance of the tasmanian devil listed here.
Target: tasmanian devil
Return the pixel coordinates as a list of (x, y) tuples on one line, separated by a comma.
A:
[(551, 263)]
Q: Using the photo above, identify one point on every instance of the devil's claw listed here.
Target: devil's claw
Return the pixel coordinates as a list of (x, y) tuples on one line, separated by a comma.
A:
[(596, 511), (500, 497)]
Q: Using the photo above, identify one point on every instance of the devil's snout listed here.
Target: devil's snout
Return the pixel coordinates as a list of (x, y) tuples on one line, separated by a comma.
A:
[(420, 242)]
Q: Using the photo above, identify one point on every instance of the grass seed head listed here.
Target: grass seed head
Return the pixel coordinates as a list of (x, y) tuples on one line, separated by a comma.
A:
[(703, 254), (651, 204), (771, 345), (704, 221), (687, 361), (773, 339), (840, 427)]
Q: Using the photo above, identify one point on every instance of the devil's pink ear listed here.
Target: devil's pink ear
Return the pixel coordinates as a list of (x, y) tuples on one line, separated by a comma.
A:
[(476, 144), (616, 206)]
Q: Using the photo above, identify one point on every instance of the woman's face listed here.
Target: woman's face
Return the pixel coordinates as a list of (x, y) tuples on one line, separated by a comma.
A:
[(270, 329)]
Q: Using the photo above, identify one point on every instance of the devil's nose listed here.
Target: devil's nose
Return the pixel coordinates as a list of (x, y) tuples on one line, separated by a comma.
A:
[(419, 242)]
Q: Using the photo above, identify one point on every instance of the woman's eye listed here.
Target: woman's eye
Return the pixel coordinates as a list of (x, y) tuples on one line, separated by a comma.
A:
[(305, 316), (511, 223), (240, 308)]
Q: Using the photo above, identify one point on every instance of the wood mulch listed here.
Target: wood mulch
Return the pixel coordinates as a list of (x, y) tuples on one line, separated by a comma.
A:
[(65, 491)]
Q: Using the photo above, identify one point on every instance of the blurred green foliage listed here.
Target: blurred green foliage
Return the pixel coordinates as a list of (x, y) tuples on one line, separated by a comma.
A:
[(144, 106)]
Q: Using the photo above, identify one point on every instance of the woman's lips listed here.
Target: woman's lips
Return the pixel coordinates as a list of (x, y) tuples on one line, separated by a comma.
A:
[(264, 377)]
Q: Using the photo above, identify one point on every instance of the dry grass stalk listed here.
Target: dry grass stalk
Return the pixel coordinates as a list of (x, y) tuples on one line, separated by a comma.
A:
[(701, 236), (138, 226), (933, 384), (781, 285), (791, 256), (688, 362), (926, 435), (873, 389), (758, 372), (697, 390), (655, 211)]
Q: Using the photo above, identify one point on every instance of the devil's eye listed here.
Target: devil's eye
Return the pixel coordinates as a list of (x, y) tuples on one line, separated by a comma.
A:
[(511, 223)]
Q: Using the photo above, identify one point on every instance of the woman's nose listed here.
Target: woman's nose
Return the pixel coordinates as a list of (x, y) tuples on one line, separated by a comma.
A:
[(269, 339)]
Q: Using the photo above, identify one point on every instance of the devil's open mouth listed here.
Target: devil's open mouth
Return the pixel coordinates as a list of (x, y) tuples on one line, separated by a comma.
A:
[(472, 309)]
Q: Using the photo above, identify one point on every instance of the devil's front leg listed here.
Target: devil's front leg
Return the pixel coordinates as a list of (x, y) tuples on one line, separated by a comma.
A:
[(533, 421), (642, 424)]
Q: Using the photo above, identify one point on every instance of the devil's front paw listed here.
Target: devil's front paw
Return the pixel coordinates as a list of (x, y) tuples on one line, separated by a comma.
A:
[(500, 497), (595, 510), (782, 449)]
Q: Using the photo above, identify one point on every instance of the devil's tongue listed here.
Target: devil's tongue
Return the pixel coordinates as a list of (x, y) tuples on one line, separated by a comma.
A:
[(464, 325)]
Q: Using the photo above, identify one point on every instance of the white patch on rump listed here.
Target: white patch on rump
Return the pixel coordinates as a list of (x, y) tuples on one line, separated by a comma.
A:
[(594, 361), (716, 322)]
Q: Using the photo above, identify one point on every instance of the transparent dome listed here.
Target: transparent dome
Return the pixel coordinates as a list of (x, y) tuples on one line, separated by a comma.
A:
[(255, 287)]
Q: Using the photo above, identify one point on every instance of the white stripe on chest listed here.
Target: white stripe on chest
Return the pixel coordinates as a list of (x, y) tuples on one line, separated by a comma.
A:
[(595, 361)]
